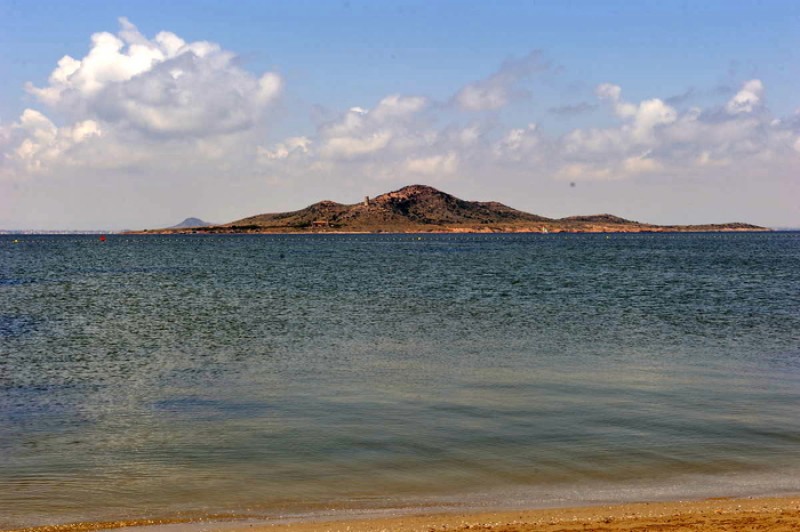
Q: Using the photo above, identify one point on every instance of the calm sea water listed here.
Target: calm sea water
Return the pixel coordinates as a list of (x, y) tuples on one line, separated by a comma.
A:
[(258, 376)]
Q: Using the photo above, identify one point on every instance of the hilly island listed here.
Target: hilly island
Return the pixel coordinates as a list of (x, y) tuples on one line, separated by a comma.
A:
[(424, 209)]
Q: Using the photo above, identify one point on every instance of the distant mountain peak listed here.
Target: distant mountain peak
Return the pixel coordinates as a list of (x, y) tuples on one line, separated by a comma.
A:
[(191, 222)]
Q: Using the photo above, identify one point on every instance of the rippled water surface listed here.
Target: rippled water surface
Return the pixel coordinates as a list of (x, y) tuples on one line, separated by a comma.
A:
[(263, 375)]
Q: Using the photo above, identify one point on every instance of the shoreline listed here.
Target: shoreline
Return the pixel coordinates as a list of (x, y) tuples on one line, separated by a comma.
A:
[(543, 229), (453, 232), (777, 513), (774, 513), (617, 231)]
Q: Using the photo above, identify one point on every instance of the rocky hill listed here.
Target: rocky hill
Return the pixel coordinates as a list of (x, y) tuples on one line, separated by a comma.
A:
[(420, 208), (416, 207)]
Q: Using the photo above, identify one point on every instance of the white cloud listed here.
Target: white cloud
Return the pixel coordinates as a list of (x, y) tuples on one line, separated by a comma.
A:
[(434, 165), (643, 117), (42, 143), (395, 139), (348, 147), (352, 121), (38, 126), (649, 115), (610, 141), (469, 135), (611, 169), (396, 106), (362, 131), (613, 93), (640, 164), (282, 150), (652, 137), (482, 98), (608, 91), (134, 102), (501, 87), (162, 86), (83, 130), (747, 99), (514, 138), (519, 143)]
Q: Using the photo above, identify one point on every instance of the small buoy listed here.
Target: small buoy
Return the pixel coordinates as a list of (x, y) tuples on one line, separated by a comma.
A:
[(16, 241), (102, 238)]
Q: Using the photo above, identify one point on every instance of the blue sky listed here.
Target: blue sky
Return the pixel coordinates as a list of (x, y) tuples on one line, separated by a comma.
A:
[(669, 112)]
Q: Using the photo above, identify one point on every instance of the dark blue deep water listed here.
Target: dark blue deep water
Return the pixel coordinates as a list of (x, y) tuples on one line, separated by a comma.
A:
[(157, 376)]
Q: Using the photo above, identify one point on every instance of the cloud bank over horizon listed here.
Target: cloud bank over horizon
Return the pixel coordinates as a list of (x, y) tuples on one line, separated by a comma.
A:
[(145, 130)]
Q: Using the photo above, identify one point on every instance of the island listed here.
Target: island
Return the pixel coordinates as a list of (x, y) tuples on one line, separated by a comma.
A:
[(424, 209)]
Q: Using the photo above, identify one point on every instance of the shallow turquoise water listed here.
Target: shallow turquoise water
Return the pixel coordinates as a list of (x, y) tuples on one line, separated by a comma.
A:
[(264, 375)]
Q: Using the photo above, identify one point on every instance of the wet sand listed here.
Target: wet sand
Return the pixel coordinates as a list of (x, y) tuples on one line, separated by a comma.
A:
[(774, 514), (751, 514)]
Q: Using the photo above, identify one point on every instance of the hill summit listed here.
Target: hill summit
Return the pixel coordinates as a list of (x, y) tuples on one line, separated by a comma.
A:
[(191, 222), (411, 208), (422, 209)]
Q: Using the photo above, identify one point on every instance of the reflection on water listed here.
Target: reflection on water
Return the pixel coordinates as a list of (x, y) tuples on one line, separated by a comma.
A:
[(157, 376)]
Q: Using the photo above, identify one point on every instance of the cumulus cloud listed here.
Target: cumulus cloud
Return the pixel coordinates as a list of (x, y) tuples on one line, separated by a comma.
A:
[(650, 114), (132, 99), (396, 106), (520, 144), (747, 99), (643, 117), (353, 146), (285, 149), (502, 86), (398, 138), (608, 91), (40, 142), (392, 140), (613, 94), (162, 86), (362, 131), (652, 137)]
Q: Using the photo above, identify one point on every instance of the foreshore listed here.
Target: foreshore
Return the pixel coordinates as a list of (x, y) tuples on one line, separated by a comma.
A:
[(539, 229), (774, 514), (723, 514)]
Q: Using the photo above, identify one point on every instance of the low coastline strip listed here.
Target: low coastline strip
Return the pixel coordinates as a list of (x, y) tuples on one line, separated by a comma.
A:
[(778, 514)]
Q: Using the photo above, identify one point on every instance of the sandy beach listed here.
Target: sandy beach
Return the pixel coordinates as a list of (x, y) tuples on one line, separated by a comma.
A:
[(720, 515), (727, 514)]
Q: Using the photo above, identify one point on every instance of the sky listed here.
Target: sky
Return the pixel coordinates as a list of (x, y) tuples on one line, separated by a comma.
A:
[(128, 115)]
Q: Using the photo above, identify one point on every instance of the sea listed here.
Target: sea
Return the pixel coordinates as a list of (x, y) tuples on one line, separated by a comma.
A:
[(267, 377)]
